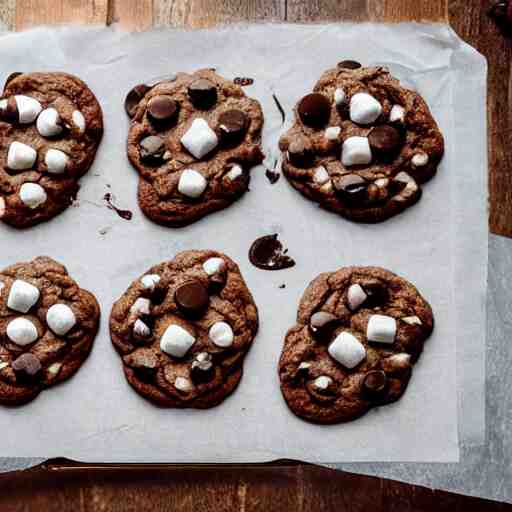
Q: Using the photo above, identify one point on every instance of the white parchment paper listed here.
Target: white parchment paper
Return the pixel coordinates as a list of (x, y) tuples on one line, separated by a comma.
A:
[(96, 416)]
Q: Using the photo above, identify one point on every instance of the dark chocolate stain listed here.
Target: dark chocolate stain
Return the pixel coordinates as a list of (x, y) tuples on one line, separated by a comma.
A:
[(280, 108), (272, 176), (243, 80), (267, 253), (282, 286), (124, 214)]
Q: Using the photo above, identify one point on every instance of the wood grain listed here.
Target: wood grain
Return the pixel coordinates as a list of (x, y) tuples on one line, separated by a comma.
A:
[(133, 15), (7, 13)]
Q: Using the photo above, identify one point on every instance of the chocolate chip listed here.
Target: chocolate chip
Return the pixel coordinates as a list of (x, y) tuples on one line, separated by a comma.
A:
[(217, 281), (152, 150), (162, 110), (314, 110), (385, 141), (192, 298), (144, 361), (10, 113), (133, 98), (27, 367), (349, 64), (202, 93), (11, 77), (267, 253), (300, 152), (376, 295), (232, 126), (351, 188), (202, 369), (322, 325), (375, 383)]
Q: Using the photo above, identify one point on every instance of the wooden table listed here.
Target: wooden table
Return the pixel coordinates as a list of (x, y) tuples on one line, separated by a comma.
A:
[(287, 486)]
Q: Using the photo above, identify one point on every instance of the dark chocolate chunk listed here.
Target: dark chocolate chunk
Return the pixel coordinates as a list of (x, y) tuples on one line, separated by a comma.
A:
[(162, 109), (202, 93), (267, 253), (232, 126), (27, 367), (300, 152), (314, 110), (351, 188), (272, 176), (239, 80), (376, 295), (152, 149), (322, 325), (143, 360), (133, 98), (349, 64), (10, 112), (202, 369), (192, 298), (375, 383), (385, 141), (217, 281)]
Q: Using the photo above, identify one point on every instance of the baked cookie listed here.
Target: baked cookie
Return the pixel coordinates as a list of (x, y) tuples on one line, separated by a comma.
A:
[(359, 331), (183, 330), (47, 328), (193, 141), (361, 144), (50, 127)]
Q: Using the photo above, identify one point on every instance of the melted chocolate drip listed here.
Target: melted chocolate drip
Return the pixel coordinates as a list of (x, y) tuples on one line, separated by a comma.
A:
[(267, 253), (124, 214)]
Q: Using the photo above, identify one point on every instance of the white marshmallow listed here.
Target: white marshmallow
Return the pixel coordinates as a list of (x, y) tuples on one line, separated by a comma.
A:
[(381, 329), (22, 296), (2, 207), (412, 320), (3, 365), (191, 183), (141, 306), (3, 104), (183, 384), (397, 114), (332, 133), (199, 139), (304, 365), (149, 281), (176, 341), (355, 151), (410, 186), (54, 368), (355, 296), (20, 156), (28, 108), (214, 265), (364, 108), (322, 382), (22, 331), (79, 120), (221, 334), (419, 159), (339, 96), (347, 350), (32, 195), (396, 362), (48, 123), (60, 319), (321, 175), (56, 161), (235, 172), (2, 286), (141, 329)]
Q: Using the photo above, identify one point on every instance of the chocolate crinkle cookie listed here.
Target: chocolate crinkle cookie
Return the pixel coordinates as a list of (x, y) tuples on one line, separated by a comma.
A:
[(359, 330), (183, 329), (193, 141), (361, 144), (50, 128), (47, 328)]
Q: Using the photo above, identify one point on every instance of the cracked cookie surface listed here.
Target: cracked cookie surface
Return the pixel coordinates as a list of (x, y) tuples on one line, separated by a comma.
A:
[(361, 144), (193, 140), (359, 330), (184, 328), (47, 328)]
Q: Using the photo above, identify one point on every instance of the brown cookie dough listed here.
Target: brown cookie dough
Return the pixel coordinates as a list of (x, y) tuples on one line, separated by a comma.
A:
[(47, 328), (361, 144), (359, 331), (193, 141), (50, 128), (183, 330)]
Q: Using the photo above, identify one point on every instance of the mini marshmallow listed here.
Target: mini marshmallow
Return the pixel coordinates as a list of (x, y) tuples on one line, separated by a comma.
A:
[(176, 341), (332, 133), (183, 384), (2, 207), (322, 382), (56, 161), (397, 114), (419, 159), (28, 108), (221, 334), (347, 350), (54, 368), (149, 281), (381, 329), (22, 331), (214, 265), (2, 286), (304, 365), (364, 108), (410, 186), (22, 296), (60, 319), (3, 365), (141, 329), (321, 176), (382, 182), (235, 172), (48, 123), (32, 195), (79, 120), (355, 296), (141, 306), (199, 139), (396, 362), (412, 320), (339, 96), (192, 183), (356, 151), (20, 156)]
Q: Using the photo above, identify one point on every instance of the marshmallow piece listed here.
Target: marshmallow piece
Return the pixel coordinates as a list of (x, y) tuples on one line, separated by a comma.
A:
[(60, 319), (221, 334), (321, 175), (183, 384), (79, 120), (56, 161), (48, 123), (347, 350), (234, 172), (355, 296), (419, 159), (410, 185), (22, 296), (20, 156), (356, 151), (332, 133), (304, 365), (396, 362), (412, 320), (192, 183), (339, 96), (381, 329), (382, 182), (32, 195), (2, 207), (2, 286), (54, 368), (28, 108), (176, 341), (3, 365), (3, 104), (149, 281), (199, 139), (141, 306), (214, 265), (364, 108), (322, 382), (397, 114), (22, 331), (141, 329)]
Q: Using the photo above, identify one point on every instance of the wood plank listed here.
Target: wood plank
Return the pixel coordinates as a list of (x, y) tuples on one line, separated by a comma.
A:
[(133, 15), (327, 10), (400, 10), (7, 13)]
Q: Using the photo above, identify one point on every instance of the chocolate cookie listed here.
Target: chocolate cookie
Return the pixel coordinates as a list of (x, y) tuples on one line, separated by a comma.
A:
[(361, 144), (359, 331), (193, 141), (183, 330), (50, 127), (47, 328)]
